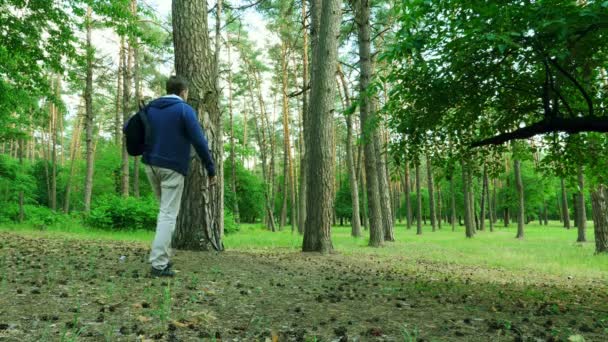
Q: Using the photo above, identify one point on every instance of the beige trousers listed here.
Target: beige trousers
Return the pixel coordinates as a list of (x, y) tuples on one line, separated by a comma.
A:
[(168, 186)]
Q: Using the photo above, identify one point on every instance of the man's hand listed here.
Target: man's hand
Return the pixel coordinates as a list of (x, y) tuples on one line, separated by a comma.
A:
[(212, 181)]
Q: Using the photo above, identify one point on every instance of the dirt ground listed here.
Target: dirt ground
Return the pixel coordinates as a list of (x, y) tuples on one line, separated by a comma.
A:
[(52, 289)]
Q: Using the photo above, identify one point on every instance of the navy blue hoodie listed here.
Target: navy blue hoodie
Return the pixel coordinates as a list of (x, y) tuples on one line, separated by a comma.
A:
[(175, 127)]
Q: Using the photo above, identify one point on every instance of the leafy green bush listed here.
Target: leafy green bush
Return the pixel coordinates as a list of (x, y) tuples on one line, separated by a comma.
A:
[(118, 213), (230, 226), (33, 214)]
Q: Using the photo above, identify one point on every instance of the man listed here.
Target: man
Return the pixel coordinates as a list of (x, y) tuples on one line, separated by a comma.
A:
[(174, 127)]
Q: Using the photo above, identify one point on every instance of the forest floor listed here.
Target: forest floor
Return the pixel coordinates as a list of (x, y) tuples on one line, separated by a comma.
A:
[(57, 287)]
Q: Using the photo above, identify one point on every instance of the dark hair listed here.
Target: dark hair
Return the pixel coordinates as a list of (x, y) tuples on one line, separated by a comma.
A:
[(176, 84)]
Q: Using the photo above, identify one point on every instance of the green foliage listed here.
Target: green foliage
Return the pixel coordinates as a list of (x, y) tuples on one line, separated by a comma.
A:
[(230, 226), (249, 191), (118, 213), (35, 215)]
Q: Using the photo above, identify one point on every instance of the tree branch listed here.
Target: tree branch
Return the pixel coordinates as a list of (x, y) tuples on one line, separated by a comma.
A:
[(576, 84), (554, 124)]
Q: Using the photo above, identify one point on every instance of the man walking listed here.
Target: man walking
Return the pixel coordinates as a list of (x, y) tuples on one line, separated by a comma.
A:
[(174, 128)]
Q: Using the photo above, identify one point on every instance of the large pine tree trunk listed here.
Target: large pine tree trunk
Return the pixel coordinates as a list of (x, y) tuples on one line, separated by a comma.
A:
[(599, 200), (200, 224), (520, 191), (565, 211), (385, 196), (431, 190), (319, 208), (408, 199), (376, 223), (89, 121), (418, 202), (580, 203)]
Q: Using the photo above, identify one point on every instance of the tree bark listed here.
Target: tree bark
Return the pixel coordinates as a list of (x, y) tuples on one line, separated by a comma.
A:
[(74, 152), (419, 202), (431, 190), (408, 199), (303, 160), (384, 189), (376, 223), (118, 106), (21, 194), (582, 215), (491, 203), (453, 202), (126, 111), (467, 202), (599, 200), (54, 114), (200, 224), (565, 211), (520, 191), (89, 121), (317, 233), (484, 191)]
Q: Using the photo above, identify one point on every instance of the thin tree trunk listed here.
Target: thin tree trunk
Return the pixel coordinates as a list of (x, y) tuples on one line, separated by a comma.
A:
[(494, 202), (74, 152), (468, 220), (317, 233), (439, 208), (21, 195), (53, 130), (90, 119), (352, 176), (235, 207), (491, 203), (201, 219), (431, 190), (520, 192), (408, 199), (118, 107), (453, 202), (582, 215), (419, 202), (126, 107), (136, 82), (565, 211), (599, 200), (303, 159), (484, 191)]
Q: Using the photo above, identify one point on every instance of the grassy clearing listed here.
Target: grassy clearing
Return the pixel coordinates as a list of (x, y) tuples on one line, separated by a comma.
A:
[(546, 251)]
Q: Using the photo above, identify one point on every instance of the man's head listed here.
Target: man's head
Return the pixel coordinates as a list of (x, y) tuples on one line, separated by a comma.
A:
[(177, 85)]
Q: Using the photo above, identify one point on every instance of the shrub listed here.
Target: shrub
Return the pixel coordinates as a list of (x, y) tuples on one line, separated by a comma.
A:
[(118, 213), (230, 226), (33, 214)]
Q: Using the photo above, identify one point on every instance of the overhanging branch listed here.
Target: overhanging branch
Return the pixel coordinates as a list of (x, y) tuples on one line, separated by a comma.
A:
[(554, 124)]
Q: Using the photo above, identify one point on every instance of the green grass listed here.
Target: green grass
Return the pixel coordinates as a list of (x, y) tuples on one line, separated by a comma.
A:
[(550, 250)]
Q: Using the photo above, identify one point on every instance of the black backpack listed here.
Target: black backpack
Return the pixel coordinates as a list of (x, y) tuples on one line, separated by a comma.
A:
[(138, 133)]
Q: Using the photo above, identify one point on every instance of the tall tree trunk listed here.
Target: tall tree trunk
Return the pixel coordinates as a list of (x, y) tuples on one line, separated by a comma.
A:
[(235, 207), (350, 161), (385, 196), (408, 199), (494, 202), (439, 208), (303, 160), (431, 190), (484, 191), (491, 203), (118, 106), (565, 211), (137, 84), (520, 191), (582, 215), (201, 219), (599, 200), (376, 223), (126, 111), (317, 233), (74, 152), (287, 161), (468, 220), (90, 119), (21, 195), (453, 202), (53, 129), (418, 202), (545, 213)]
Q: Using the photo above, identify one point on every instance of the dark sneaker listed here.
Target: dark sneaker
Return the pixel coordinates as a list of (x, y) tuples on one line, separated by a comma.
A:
[(166, 272)]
